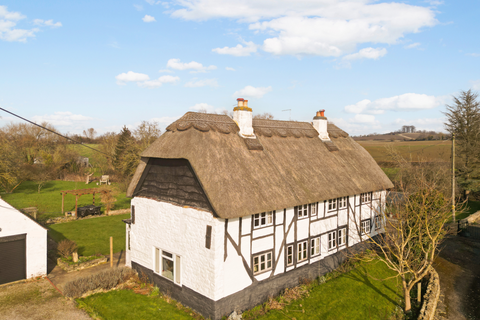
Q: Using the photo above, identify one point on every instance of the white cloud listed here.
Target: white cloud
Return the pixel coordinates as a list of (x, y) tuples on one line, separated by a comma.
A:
[(435, 124), (407, 101), (165, 71), (202, 83), (47, 23), (476, 55), (229, 69), (139, 7), (475, 84), (158, 82), (193, 65), (364, 119), (239, 50), (367, 53), (253, 92), (205, 107), (131, 76), (148, 18), (8, 22), (306, 27), (413, 45), (62, 118)]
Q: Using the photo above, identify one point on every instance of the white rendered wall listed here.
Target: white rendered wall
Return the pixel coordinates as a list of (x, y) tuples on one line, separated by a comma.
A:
[(243, 118), (13, 222), (181, 231)]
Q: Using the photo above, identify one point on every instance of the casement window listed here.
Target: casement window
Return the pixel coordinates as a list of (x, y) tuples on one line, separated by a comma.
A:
[(168, 265), (314, 210), (365, 226), (366, 197), (303, 211), (342, 236), (378, 222), (332, 204), (263, 219), (302, 251), (332, 240), (342, 203), (290, 256), (262, 262), (315, 247)]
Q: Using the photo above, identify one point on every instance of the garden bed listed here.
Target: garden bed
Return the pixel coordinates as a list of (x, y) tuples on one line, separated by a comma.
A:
[(83, 263)]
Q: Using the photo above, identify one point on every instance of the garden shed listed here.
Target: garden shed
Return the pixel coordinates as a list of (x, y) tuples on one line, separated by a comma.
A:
[(23, 245)]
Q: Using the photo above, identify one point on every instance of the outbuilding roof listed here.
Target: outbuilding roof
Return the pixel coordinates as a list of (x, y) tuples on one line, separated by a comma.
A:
[(286, 165)]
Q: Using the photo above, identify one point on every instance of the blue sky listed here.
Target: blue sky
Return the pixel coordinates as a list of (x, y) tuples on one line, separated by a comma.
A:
[(372, 65)]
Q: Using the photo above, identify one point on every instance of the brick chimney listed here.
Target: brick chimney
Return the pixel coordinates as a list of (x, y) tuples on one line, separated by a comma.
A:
[(320, 124), (242, 115)]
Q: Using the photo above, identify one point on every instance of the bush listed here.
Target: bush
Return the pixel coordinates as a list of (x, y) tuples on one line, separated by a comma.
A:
[(66, 247), (103, 280)]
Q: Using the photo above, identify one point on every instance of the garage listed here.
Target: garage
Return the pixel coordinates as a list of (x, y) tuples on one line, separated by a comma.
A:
[(23, 245)]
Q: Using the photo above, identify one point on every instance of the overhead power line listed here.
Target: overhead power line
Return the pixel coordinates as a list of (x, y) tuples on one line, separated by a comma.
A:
[(58, 134)]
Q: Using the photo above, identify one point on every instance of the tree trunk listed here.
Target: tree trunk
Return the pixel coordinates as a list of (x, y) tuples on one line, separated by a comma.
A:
[(406, 294)]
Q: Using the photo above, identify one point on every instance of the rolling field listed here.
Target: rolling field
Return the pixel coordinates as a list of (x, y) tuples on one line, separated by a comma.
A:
[(435, 150)]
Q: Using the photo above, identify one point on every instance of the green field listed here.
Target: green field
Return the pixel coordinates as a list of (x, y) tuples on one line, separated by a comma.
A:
[(92, 235), (49, 200)]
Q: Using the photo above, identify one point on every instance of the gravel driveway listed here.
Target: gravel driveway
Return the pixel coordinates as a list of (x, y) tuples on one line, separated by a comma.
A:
[(36, 300)]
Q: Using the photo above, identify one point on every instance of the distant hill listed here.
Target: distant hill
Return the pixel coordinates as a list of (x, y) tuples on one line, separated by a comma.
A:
[(400, 136)]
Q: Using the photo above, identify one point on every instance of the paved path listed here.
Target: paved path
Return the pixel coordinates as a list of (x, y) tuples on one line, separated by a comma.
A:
[(59, 277), (459, 268)]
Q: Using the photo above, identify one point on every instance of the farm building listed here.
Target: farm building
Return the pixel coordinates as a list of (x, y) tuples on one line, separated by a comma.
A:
[(23, 245), (227, 212)]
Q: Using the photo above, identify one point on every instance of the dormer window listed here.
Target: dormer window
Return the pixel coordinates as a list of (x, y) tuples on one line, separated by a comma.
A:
[(263, 219)]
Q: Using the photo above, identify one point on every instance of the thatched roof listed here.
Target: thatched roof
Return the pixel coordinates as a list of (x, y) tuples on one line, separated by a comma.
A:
[(291, 167)]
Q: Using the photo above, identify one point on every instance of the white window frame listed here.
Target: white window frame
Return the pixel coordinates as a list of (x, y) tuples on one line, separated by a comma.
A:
[(332, 204), (290, 255), (342, 236), (315, 247), (162, 256), (366, 197), (262, 262), (264, 219), (332, 240), (366, 226), (302, 251), (314, 209), (302, 211), (342, 202), (378, 222)]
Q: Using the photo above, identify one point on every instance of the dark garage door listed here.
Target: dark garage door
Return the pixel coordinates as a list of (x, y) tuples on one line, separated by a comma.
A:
[(12, 258)]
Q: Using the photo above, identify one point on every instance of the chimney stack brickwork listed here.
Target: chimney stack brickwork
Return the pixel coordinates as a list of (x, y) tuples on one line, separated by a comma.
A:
[(242, 115), (320, 124)]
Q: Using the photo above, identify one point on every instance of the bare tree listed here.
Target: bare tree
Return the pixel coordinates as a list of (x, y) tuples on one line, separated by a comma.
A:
[(146, 133), (265, 115), (90, 134)]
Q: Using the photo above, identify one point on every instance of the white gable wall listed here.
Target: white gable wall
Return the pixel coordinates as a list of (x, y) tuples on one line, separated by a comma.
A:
[(13, 222)]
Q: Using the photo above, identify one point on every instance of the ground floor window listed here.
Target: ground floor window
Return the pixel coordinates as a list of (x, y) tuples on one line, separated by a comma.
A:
[(332, 240), (289, 255), (378, 222), (262, 262), (365, 226), (315, 247), (302, 251), (342, 236), (168, 265)]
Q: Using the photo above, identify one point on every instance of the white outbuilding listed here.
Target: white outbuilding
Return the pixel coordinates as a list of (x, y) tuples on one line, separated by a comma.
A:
[(23, 245), (228, 212)]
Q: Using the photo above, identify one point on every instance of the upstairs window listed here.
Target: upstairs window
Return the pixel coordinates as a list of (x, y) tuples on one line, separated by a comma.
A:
[(303, 211), (314, 209), (263, 219), (342, 203), (332, 204), (365, 197)]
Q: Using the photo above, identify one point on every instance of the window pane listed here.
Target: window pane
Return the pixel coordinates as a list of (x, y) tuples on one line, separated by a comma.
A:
[(165, 253), (167, 268)]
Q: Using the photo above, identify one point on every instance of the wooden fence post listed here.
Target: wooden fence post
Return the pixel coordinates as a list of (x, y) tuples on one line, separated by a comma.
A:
[(419, 292), (111, 252)]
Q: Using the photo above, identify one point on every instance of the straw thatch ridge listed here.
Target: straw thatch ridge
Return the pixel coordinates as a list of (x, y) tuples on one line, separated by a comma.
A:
[(295, 167)]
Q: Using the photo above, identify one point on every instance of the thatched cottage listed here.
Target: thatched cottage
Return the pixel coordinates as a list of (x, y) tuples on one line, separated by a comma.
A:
[(227, 212)]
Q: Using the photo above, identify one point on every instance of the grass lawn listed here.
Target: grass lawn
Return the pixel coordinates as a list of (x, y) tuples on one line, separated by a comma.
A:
[(352, 295), (49, 200), (125, 304), (93, 235), (472, 207)]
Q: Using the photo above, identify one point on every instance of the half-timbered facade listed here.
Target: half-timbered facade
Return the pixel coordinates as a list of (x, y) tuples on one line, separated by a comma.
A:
[(227, 212)]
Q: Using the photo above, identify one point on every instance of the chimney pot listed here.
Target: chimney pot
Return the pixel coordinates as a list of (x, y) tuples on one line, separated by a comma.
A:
[(322, 113), (242, 115), (320, 124)]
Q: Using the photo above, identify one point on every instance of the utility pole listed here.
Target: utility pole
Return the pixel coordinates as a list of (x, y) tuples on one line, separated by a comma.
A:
[(453, 176)]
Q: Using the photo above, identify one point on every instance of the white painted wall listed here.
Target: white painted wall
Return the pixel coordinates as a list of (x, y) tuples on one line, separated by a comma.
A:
[(13, 222)]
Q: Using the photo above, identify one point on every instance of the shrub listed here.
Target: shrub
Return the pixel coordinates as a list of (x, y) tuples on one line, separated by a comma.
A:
[(103, 280), (66, 247)]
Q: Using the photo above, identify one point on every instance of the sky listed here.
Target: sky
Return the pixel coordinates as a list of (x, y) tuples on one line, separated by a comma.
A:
[(372, 65)]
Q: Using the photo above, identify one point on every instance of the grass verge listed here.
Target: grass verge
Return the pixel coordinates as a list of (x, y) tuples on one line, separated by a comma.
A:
[(93, 235), (49, 200)]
